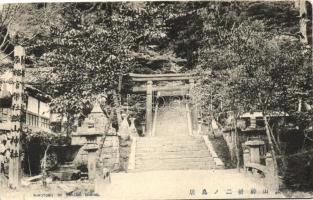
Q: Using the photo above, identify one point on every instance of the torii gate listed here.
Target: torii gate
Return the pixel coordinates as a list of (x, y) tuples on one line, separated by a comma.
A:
[(149, 88)]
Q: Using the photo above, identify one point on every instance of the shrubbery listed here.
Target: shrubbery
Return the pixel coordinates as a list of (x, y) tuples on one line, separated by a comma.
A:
[(34, 145)]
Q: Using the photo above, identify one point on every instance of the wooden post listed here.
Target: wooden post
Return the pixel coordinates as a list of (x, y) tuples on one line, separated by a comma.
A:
[(18, 117), (149, 109)]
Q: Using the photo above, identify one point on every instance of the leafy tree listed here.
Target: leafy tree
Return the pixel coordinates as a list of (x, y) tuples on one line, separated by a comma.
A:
[(89, 52)]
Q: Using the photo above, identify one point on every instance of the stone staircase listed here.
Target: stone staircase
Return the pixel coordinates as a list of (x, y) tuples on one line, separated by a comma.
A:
[(172, 153), (172, 120), (172, 147)]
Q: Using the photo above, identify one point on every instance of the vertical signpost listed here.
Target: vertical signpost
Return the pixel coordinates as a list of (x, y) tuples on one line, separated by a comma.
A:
[(18, 117)]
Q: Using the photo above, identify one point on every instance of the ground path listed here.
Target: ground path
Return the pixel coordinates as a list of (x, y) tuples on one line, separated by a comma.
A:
[(179, 184)]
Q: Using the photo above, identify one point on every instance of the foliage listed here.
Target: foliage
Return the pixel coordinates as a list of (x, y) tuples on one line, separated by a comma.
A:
[(298, 175), (90, 45), (44, 138), (254, 70), (34, 145)]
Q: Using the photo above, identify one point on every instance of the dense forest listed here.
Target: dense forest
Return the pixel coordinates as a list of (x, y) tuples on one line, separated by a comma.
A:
[(90, 45)]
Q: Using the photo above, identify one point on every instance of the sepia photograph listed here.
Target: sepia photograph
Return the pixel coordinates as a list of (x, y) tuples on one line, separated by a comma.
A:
[(140, 100)]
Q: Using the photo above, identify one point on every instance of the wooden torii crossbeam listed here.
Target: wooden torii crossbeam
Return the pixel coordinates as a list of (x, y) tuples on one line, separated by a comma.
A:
[(161, 77)]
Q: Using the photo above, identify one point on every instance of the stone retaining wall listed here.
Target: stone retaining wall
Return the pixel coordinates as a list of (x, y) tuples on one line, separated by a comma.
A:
[(114, 155), (110, 155)]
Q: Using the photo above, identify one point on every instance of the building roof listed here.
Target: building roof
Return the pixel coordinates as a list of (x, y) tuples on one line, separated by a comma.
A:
[(259, 114), (31, 76)]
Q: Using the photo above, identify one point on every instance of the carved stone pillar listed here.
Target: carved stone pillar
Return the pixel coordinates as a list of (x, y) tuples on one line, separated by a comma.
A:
[(17, 118)]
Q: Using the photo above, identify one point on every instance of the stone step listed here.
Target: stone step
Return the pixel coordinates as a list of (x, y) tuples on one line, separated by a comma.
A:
[(173, 156), (169, 137), (170, 168), (180, 163), (177, 159), (177, 133), (174, 167), (173, 153), (169, 144), (168, 149), (182, 142), (173, 164), (161, 145)]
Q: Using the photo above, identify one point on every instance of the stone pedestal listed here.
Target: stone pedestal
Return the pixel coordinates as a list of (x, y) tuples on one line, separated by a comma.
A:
[(254, 146), (92, 160)]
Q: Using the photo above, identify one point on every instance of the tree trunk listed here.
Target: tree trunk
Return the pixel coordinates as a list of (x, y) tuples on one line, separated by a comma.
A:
[(271, 144), (303, 23), (44, 168), (237, 144), (117, 108)]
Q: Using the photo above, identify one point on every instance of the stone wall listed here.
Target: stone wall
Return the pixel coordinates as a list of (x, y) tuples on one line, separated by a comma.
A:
[(125, 148), (229, 138)]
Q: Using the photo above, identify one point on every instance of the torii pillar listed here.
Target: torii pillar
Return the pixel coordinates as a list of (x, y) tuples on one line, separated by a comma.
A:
[(194, 112), (18, 117), (149, 116)]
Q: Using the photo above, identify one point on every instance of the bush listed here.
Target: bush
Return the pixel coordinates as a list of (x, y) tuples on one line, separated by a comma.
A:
[(34, 145), (299, 171)]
